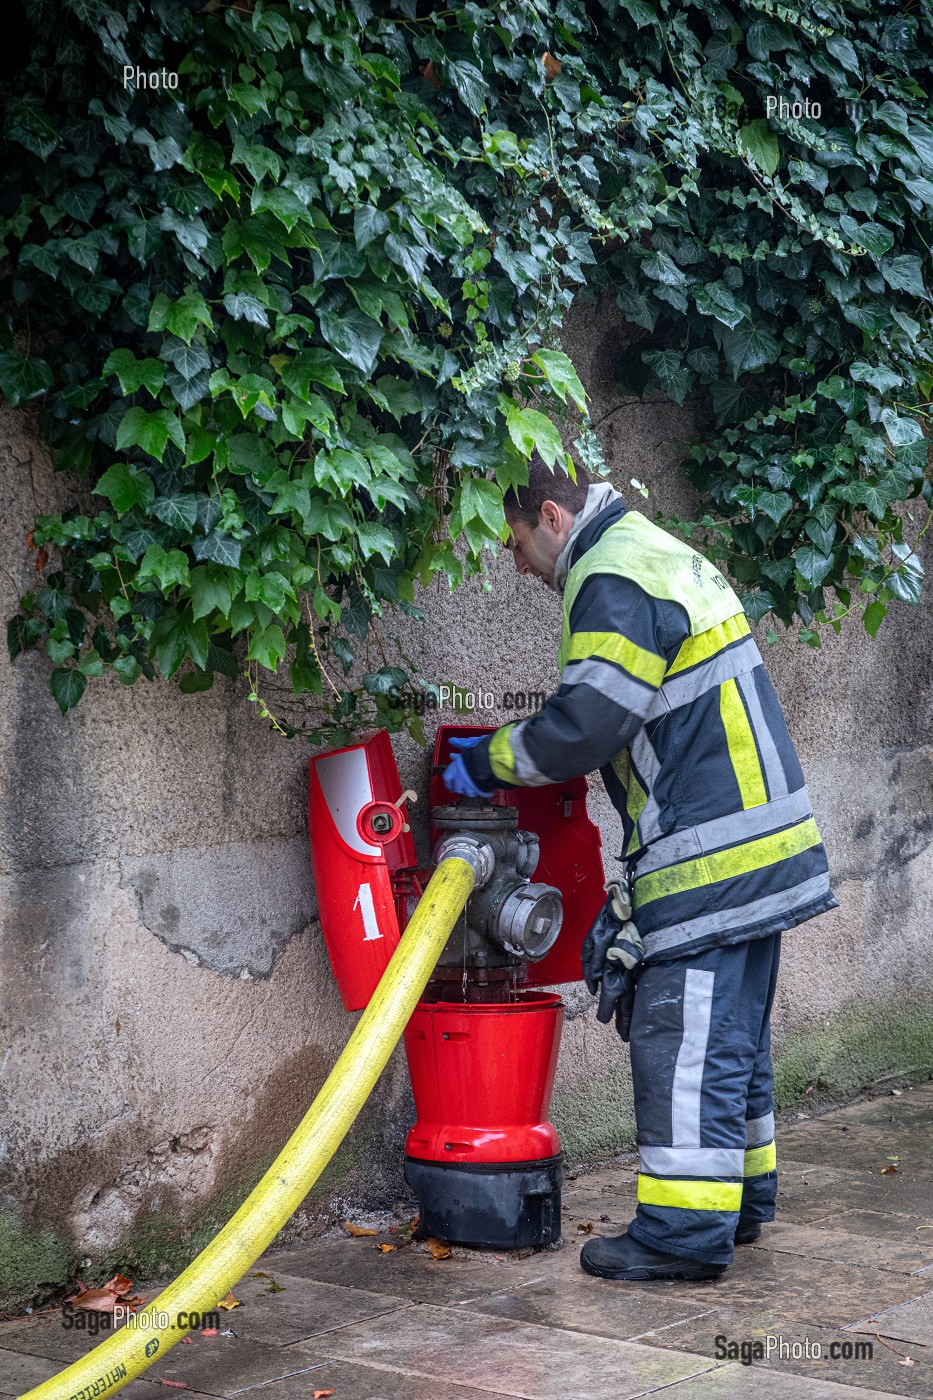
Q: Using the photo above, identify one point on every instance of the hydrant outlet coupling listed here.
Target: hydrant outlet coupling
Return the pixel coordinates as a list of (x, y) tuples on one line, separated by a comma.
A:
[(477, 854)]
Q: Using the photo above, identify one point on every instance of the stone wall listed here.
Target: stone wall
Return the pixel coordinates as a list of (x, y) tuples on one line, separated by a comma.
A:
[(167, 1006)]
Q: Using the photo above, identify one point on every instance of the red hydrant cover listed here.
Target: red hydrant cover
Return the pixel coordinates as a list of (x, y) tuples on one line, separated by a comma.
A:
[(357, 843)]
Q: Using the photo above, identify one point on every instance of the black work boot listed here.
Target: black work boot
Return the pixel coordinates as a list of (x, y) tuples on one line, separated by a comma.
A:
[(746, 1232), (622, 1257)]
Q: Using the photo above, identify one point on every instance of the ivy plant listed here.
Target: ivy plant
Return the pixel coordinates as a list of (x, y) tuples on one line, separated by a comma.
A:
[(282, 315)]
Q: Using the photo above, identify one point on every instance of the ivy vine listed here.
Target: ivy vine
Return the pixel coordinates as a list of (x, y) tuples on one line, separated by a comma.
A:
[(284, 315)]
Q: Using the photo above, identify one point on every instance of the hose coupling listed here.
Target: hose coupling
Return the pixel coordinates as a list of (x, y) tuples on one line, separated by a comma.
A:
[(477, 854)]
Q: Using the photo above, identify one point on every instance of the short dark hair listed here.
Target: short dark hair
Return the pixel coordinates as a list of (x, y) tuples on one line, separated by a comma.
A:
[(545, 484)]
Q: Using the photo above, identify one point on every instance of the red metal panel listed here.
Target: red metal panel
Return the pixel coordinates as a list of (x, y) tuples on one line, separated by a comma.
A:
[(482, 1076), (570, 853), (353, 866)]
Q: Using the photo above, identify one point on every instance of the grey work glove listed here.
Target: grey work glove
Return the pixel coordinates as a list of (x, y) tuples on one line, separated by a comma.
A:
[(611, 950)]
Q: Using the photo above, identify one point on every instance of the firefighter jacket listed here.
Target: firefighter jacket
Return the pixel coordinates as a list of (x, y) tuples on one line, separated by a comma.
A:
[(663, 689)]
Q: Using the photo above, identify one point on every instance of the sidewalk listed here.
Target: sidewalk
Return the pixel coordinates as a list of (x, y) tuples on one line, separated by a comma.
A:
[(850, 1260)]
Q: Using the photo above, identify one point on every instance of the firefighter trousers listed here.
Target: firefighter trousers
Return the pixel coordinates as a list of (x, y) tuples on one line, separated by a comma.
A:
[(704, 1106)]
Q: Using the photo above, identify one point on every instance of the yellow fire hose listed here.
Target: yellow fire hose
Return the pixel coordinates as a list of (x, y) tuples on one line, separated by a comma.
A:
[(154, 1330)]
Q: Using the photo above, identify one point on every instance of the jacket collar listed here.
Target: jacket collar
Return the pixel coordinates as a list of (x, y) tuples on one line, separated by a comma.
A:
[(603, 507)]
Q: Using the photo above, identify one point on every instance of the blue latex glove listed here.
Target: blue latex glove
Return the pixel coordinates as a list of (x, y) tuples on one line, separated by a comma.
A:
[(456, 775), (464, 742)]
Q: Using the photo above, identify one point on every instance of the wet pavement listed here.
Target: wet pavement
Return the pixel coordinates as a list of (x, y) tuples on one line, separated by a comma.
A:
[(834, 1302)]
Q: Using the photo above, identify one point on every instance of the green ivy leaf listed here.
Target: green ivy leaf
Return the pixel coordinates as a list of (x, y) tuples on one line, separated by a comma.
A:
[(23, 377), (757, 141), (150, 431), (353, 335), (135, 374), (167, 567), (68, 685), (531, 431), (749, 347), (561, 376), (125, 487)]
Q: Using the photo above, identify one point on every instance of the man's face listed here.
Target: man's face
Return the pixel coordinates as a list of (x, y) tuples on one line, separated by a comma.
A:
[(536, 548)]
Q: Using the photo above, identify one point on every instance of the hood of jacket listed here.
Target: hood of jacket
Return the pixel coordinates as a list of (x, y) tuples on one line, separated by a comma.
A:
[(600, 495)]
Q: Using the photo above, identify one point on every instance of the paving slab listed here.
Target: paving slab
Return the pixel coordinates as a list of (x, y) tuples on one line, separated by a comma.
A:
[(803, 1349), (910, 1322), (888, 1250), (408, 1272), (299, 1308), (742, 1382), (20, 1372), (889, 1225), (508, 1358)]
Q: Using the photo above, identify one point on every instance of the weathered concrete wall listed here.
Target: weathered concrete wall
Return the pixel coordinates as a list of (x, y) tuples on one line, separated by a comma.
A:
[(167, 1007)]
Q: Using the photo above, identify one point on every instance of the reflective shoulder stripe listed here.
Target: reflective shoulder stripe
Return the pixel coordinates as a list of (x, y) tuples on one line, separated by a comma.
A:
[(706, 644), (725, 865), (738, 660), (743, 751), (689, 1195), (759, 1160), (501, 757), (644, 665)]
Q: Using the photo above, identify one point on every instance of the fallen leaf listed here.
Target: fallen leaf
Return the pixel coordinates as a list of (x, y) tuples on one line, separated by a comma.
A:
[(387, 1248), (552, 65), (585, 1227), (319, 1394), (206, 1332), (260, 1274), (105, 1298), (427, 72), (187, 1342), (42, 558), (272, 1288), (229, 1303), (438, 1249), (356, 1230), (889, 1170), (176, 1385), (29, 539)]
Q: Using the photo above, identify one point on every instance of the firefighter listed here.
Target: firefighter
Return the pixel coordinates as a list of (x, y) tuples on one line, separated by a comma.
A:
[(663, 689)]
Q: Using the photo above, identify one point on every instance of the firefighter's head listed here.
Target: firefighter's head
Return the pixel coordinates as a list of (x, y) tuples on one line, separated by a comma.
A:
[(540, 516)]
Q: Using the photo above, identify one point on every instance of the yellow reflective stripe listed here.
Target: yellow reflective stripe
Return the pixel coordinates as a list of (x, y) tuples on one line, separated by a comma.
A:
[(760, 1159), (612, 646), (501, 757), (635, 796), (724, 865), (707, 644), (742, 750), (689, 1195)]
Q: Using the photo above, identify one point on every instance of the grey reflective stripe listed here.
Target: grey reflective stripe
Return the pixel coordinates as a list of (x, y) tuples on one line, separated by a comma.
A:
[(783, 902), (725, 831), (525, 770), (704, 1162), (770, 758), (697, 1008), (682, 689), (759, 1131), (609, 681), (646, 762)]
